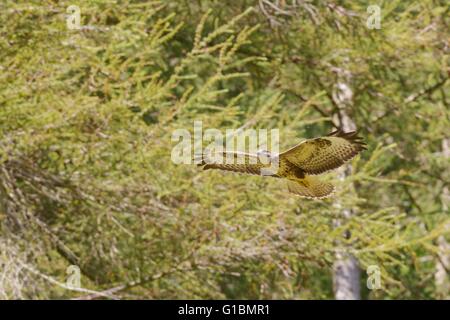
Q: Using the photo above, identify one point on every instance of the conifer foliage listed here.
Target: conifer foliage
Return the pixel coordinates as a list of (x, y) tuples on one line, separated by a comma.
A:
[(86, 122)]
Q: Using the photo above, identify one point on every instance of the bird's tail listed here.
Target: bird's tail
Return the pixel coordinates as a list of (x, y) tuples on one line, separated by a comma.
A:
[(310, 187)]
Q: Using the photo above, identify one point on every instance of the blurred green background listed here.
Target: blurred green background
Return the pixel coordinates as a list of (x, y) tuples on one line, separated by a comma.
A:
[(87, 114)]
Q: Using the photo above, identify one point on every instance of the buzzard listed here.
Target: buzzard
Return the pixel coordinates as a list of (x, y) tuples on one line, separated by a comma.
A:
[(299, 164)]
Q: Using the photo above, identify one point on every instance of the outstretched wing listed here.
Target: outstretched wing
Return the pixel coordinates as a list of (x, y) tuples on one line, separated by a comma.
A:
[(310, 187), (232, 161), (315, 156)]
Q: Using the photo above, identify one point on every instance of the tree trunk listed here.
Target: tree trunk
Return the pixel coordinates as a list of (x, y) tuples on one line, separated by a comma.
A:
[(441, 275), (346, 271)]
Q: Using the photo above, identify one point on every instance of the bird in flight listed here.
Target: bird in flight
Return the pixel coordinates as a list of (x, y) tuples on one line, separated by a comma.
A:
[(300, 164)]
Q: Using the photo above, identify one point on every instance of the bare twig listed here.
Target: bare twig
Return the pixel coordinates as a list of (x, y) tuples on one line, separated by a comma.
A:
[(426, 91)]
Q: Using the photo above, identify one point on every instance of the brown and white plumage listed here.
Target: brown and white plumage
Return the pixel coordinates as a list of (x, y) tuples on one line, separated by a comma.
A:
[(319, 155), (238, 162), (297, 164)]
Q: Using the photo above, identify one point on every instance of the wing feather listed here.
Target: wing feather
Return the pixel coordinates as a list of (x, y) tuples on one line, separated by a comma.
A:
[(232, 161), (316, 156)]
